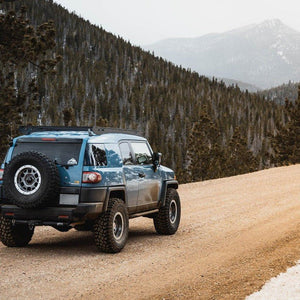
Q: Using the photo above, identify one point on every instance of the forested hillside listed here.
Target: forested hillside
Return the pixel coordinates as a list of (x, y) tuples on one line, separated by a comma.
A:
[(104, 80), (280, 93)]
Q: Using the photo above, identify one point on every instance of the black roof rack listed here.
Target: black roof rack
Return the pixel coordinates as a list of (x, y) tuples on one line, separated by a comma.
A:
[(92, 130), (31, 129), (101, 130)]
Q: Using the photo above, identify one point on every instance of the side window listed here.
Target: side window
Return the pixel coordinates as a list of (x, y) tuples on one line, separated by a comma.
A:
[(127, 157), (95, 155), (142, 153)]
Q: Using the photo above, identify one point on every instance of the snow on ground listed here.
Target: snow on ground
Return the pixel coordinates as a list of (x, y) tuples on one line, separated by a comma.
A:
[(284, 286)]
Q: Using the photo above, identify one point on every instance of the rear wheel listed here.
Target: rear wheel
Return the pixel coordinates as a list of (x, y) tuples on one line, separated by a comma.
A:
[(111, 227), (167, 220), (18, 235)]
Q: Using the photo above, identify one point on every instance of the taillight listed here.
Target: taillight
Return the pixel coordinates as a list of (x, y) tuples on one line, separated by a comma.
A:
[(91, 177), (1, 174)]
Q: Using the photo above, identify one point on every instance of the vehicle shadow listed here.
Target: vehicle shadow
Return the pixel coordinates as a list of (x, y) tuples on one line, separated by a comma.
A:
[(78, 242), (75, 243), (141, 234)]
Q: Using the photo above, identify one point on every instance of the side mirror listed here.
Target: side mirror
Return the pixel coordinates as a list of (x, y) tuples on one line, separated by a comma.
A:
[(156, 159)]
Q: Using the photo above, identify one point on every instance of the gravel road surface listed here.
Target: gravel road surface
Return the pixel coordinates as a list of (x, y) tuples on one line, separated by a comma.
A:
[(236, 233), (284, 286)]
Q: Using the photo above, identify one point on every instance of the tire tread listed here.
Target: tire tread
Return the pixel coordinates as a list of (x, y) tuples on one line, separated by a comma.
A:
[(14, 236), (103, 228), (161, 220), (52, 177)]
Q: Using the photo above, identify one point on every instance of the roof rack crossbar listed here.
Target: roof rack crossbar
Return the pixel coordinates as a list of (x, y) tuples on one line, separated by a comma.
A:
[(101, 130), (95, 130), (31, 129)]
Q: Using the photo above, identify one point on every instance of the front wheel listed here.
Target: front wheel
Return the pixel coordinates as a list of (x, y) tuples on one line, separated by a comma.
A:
[(167, 220), (18, 235), (111, 227)]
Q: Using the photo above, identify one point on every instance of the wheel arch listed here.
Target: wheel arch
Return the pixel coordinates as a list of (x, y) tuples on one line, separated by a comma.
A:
[(115, 192), (166, 185)]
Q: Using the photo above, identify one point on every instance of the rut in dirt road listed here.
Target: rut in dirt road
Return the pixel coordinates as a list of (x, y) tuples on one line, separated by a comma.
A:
[(235, 234)]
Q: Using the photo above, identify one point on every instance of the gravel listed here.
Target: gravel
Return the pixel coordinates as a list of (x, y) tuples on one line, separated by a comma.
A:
[(284, 286), (235, 234)]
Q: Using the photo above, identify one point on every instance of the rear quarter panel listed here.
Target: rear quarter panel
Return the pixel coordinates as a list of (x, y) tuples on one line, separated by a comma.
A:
[(112, 174)]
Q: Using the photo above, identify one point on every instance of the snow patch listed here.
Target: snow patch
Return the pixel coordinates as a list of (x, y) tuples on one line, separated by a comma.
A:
[(284, 286), (280, 53)]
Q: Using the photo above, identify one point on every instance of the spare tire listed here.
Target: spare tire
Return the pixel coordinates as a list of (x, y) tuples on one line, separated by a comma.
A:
[(31, 180)]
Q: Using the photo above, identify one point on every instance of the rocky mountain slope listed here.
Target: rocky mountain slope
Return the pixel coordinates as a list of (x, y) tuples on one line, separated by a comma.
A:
[(264, 55)]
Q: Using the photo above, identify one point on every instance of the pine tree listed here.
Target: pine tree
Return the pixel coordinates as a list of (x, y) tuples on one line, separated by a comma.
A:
[(239, 159), (286, 144), (68, 114), (218, 160), (204, 152), (21, 45)]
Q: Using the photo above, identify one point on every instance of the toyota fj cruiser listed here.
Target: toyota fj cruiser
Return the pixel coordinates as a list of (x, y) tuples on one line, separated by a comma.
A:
[(87, 179)]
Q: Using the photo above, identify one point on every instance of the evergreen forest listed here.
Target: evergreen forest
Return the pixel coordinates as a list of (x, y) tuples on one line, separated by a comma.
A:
[(280, 93), (203, 128)]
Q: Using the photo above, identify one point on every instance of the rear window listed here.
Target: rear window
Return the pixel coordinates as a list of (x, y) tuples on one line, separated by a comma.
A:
[(95, 155), (59, 152)]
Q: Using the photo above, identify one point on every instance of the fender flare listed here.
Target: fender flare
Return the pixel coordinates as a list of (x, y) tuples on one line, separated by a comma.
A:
[(118, 191), (167, 184)]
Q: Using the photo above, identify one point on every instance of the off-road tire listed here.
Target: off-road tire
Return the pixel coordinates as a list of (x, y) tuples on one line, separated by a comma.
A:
[(45, 174), (18, 235), (167, 220), (111, 227)]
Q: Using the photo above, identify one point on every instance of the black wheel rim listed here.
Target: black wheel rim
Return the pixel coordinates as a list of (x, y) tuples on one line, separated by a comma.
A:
[(118, 226), (173, 211)]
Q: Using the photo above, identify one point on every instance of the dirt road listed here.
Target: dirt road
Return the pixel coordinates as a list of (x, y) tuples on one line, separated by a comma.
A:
[(235, 234)]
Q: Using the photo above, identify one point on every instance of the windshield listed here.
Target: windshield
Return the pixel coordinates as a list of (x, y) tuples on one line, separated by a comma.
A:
[(61, 153)]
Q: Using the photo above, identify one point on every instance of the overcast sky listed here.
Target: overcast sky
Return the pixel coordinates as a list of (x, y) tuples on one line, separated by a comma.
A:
[(144, 22)]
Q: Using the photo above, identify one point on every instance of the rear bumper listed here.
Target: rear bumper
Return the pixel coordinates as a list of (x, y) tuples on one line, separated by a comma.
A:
[(53, 214), (82, 195), (72, 196)]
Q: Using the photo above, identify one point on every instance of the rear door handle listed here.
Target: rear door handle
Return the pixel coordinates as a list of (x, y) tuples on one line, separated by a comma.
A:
[(142, 175)]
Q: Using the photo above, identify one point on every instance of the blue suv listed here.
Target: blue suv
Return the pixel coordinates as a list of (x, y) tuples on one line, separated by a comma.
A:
[(84, 178)]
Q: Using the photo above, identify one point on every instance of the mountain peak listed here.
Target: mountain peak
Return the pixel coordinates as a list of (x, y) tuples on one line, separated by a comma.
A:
[(272, 23), (263, 54), (275, 25)]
